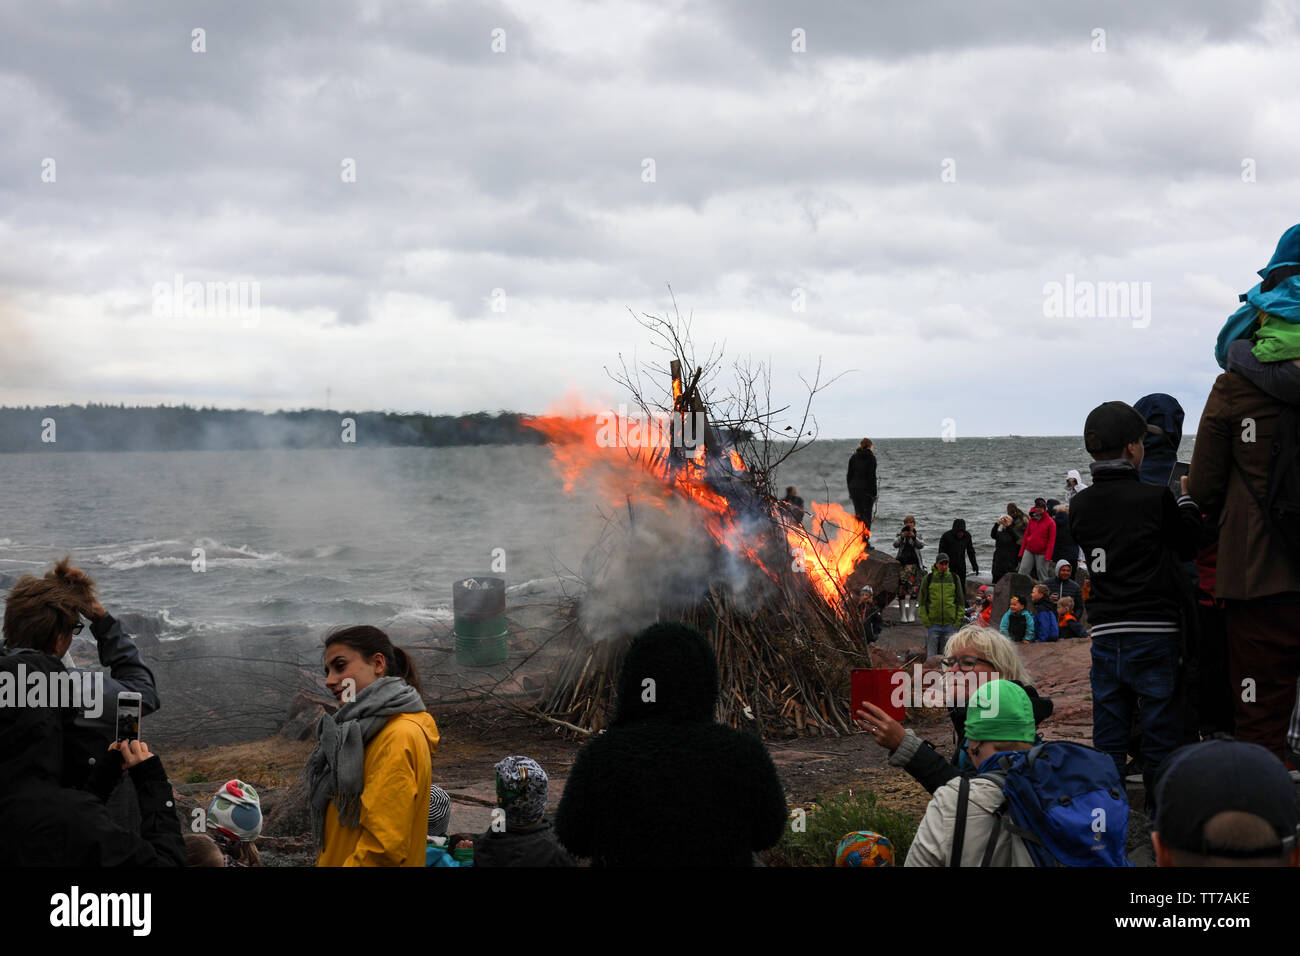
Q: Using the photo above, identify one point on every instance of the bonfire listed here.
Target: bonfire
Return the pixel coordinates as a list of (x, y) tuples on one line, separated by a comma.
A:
[(694, 534)]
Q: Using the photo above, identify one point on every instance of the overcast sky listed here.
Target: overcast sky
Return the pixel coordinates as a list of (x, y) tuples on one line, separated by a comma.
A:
[(888, 186)]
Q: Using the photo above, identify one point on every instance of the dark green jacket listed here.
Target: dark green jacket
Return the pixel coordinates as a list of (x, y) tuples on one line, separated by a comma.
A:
[(941, 605)]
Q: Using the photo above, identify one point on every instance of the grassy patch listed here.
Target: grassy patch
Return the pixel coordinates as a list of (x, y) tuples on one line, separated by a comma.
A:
[(834, 817), (195, 777)]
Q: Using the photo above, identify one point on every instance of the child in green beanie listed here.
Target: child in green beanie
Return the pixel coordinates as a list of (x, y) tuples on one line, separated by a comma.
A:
[(999, 718)]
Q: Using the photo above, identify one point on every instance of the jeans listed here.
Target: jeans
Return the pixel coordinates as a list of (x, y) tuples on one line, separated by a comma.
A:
[(936, 637), (1135, 672)]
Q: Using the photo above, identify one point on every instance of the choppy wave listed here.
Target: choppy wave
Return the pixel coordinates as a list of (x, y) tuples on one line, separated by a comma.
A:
[(131, 549), (420, 617)]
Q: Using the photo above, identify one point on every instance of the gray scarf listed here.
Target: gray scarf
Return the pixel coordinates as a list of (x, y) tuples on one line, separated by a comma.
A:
[(335, 769)]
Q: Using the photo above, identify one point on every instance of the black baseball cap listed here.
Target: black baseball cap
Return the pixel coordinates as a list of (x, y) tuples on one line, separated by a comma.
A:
[(1114, 425), (1206, 779)]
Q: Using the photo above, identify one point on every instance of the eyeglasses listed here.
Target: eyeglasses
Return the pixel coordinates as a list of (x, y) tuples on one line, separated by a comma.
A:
[(78, 628), (966, 662)]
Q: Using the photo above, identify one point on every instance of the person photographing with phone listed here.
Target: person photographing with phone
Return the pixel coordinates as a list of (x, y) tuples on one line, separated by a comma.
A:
[(49, 823), (42, 616)]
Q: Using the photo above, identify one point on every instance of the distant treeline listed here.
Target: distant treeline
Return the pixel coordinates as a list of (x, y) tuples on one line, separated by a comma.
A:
[(182, 428)]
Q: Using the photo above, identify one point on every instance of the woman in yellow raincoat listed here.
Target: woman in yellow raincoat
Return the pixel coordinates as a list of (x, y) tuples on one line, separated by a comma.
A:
[(368, 778)]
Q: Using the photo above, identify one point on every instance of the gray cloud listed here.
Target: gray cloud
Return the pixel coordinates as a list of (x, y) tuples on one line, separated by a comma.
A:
[(523, 171)]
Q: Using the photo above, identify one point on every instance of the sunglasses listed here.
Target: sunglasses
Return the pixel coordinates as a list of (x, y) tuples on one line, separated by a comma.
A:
[(966, 662)]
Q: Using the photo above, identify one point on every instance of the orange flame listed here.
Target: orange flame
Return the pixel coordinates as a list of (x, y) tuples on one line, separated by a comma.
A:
[(629, 462)]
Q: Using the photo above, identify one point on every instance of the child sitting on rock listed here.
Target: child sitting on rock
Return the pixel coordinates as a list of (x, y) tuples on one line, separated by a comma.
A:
[(1067, 624), (1045, 628), (440, 850), (520, 835), (234, 822), (1017, 623)]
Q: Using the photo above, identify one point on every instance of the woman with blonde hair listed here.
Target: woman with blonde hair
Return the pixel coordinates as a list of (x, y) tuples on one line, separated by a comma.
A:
[(977, 654)]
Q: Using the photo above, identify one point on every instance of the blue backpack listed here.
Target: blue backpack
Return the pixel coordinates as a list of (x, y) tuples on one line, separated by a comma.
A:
[(1065, 801)]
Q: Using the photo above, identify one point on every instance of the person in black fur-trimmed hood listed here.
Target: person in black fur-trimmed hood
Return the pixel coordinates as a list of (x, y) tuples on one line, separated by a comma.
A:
[(665, 785)]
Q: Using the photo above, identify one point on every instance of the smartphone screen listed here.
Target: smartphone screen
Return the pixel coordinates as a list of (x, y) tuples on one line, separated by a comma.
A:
[(1180, 468), (128, 716)]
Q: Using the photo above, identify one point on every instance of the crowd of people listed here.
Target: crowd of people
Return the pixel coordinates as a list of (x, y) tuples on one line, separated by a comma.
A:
[(1191, 601)]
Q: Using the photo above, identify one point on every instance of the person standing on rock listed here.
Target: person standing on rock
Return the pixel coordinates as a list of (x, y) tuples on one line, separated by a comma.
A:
[(957, 544), (942, 609), (368, 778), (1064, 547), (1038, 543), (1019, 522), (1073, 484), (863, 487), (1006, 547), (907, 549)]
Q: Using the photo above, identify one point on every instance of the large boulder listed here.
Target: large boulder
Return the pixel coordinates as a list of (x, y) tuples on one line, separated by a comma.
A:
[(878, 569), (305, 711)]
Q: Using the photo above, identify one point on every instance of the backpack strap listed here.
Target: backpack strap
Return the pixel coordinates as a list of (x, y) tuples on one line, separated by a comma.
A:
[(1263, 505), (959, 825), (987, 861)]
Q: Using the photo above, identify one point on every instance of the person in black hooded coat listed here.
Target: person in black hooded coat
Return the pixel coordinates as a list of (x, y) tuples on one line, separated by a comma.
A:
[(957, 544), (47, 824), (665, 785), (1160, 452)]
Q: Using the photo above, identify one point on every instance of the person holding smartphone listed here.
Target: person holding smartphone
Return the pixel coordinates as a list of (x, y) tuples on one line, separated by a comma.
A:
[(42, 615), (48, 823), (975, 653)]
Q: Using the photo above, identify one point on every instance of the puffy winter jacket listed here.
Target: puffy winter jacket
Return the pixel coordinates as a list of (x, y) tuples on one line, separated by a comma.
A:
[(1045, 622), (394, 799), (1040, 535), (941, 606), (1065, 588)]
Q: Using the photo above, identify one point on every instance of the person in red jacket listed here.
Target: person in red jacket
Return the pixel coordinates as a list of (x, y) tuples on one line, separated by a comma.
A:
[(1039, 540)]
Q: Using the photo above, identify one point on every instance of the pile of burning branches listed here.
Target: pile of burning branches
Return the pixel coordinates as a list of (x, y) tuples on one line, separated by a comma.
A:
[(694, 534)]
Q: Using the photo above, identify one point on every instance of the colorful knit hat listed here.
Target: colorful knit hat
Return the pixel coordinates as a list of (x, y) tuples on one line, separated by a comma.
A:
[(521, 790)]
